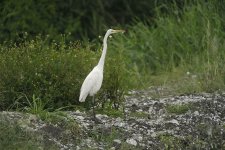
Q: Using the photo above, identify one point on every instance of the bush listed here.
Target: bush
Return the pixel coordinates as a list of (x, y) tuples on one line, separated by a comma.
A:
[(54, 73)]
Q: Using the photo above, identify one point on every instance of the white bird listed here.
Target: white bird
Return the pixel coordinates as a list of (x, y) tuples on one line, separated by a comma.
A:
[(93, 81)]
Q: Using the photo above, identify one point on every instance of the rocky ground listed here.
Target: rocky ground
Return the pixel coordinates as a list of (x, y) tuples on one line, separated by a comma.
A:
[(174, 122)]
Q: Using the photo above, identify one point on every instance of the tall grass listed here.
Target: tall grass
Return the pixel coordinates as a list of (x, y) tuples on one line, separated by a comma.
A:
[(191, 41)]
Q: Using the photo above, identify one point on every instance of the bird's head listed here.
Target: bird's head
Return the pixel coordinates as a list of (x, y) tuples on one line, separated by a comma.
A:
[(111, 31)]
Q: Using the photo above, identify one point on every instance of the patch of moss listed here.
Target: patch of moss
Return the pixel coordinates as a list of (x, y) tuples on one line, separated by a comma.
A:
[(139, 114), (178, 109), (111, 112)]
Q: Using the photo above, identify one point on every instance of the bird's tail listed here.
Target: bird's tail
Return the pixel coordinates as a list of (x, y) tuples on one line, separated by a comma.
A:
[(82, 98)]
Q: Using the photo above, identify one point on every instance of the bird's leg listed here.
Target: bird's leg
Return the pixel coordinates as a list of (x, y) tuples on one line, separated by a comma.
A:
[(96, 120), (93, 106)]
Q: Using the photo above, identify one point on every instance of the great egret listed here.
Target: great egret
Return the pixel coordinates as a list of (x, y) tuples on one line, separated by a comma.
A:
[(93, 81)]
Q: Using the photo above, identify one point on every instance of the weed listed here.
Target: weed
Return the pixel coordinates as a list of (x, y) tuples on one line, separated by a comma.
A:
[(35, 106)]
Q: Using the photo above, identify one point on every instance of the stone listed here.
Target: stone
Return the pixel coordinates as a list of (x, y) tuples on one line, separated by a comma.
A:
[(112, 148), (196, 113), (174, 121), (117, 141), (132, 142), (80, 117), (153, 135), (78, 148)]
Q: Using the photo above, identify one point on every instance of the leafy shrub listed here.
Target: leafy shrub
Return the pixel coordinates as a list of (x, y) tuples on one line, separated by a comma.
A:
[(54, 73)]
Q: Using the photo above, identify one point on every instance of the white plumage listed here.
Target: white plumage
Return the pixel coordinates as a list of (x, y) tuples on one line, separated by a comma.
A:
[(93, 81)]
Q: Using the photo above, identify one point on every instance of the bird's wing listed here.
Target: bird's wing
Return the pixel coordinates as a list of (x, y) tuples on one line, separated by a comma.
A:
[(88, 84)]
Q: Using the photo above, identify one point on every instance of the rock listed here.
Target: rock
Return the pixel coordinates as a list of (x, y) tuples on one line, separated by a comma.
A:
[(132, 142), (137, 137), (205, 120), (174, 121), (112, 148), (78, 148), (117, 143), (153, 135), (101, 118), (80, 118), (77, 111), (196, 113), (119, 122)]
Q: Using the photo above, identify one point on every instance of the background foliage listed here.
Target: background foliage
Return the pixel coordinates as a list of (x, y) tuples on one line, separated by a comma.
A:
[(46, 51), (81, 18)]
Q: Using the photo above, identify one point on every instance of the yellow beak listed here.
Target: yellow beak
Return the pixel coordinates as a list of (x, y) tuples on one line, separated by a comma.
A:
[(116, 31)]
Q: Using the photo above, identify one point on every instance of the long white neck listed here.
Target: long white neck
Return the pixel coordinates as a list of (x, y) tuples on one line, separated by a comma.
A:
[(102, 59)]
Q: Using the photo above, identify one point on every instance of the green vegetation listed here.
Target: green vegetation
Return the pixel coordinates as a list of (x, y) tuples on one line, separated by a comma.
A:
[(111, 112), (80, 18), (139, 114), (188, 40), (191, 41), (53, 73), (171, 142), (178, 109), (48, 48), (180, 47)]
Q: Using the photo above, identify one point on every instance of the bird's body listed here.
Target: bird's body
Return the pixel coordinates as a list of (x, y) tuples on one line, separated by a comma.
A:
[(93, 81)]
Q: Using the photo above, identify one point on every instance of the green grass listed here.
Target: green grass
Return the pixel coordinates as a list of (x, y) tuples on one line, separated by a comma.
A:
[(181, 41), (178, 109), (111, 112), (139, 114), (182, 50)]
